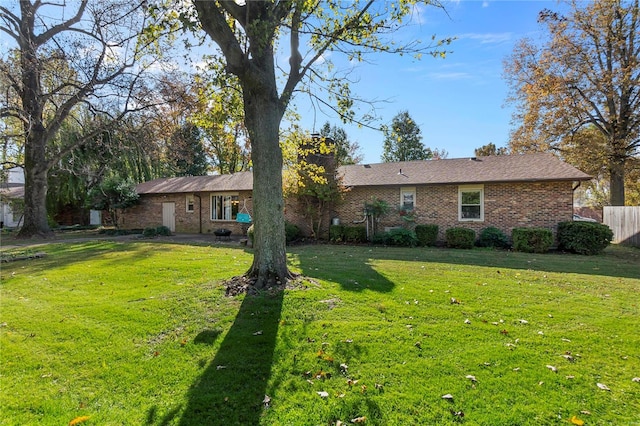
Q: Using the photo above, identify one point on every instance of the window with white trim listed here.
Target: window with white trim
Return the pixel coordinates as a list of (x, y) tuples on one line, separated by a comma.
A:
[(407, 198), (471, 203), (224, 206), (191, 202)]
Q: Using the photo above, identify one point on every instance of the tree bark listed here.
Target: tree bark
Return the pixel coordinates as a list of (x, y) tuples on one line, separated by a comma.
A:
[(270, 260), (616, 182), (35, 191), (263, 114)]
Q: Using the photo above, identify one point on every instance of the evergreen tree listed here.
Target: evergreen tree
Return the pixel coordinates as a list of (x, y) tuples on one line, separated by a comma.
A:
[(346, 151), (403, 141), (190, 158)]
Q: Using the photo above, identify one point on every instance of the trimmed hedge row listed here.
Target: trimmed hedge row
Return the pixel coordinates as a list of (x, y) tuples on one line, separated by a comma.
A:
[(577, 237)]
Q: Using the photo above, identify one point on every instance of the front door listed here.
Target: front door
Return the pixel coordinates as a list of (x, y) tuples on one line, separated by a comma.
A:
[(169, 216)]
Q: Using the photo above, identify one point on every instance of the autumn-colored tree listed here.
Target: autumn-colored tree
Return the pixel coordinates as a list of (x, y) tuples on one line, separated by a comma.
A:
[(310, 177), (220, 116), (586, 74), (490, 149), (246, 33)]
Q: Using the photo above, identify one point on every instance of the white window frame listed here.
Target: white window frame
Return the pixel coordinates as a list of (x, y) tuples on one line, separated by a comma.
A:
[(190, 203), (408, 191), (471, 188), (227, 214)]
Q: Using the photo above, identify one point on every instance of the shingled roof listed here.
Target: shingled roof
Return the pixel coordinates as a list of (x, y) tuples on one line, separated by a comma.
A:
[(499, 168), (242, 181)]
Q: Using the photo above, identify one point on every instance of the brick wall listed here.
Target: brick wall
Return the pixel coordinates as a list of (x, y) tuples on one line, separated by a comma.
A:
[(506, 206), (149, 213)]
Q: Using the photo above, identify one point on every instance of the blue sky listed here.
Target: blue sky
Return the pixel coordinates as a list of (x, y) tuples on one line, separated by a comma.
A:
[(458, 102)]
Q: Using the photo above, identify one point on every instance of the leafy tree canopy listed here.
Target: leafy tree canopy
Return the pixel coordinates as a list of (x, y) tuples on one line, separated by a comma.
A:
[(403, 140), (586, 75)]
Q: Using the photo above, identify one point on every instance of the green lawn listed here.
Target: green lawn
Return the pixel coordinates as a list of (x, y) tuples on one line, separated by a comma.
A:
[(141, 333)]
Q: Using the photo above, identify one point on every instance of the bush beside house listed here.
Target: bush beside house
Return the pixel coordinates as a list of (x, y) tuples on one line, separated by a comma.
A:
[(584, 237)]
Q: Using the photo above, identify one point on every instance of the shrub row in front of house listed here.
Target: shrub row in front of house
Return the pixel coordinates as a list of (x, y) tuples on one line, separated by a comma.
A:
[(576, 237)]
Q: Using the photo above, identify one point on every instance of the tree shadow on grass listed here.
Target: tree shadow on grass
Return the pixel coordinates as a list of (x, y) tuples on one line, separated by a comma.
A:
[(232, 388), (350, 267)]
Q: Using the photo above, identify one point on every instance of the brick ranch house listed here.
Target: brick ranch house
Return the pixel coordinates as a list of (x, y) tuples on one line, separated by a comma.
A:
[(507, 191)]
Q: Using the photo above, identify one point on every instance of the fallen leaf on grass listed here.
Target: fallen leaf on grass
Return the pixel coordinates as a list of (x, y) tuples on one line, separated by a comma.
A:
[(323, 394), (359, 420), (505, 332), (603, 386), (78, 420), (576, 421)]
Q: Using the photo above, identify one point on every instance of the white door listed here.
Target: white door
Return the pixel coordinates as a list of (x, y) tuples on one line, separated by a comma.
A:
[(169, 216)]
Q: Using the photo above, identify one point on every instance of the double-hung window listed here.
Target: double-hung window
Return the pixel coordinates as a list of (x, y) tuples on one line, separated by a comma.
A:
[(407, 198), (224, 206), (190, 203), (471, 203)]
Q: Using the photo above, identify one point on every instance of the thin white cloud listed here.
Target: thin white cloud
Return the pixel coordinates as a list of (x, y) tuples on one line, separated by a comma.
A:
[(449, 76), (488, 38)]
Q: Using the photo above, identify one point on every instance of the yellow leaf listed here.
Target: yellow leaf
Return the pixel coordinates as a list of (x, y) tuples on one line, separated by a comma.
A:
[(576, 421), (78, 420)]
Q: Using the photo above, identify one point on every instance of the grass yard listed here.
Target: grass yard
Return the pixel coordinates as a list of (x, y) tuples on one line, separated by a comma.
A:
[(141, 333)]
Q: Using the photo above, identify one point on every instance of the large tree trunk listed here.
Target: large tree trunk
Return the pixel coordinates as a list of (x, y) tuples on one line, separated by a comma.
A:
[(35, 189), (616, 182), (35, 163), (262, 117)]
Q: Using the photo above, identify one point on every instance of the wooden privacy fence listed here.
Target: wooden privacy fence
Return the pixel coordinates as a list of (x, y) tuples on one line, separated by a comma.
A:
[(625, 224)]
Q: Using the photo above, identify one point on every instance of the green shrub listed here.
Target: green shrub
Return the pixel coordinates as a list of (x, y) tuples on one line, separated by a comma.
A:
[(149, 232), (532, 240), (336, 233), (460, 238), (402, 237), (163, 230), (291, 231), (584, 237), (492, 237), (427, 234), (380, 239), (355, 234), (396, 237)]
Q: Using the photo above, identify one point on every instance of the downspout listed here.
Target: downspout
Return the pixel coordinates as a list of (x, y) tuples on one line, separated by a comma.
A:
[(573, 196), (199, 211)]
